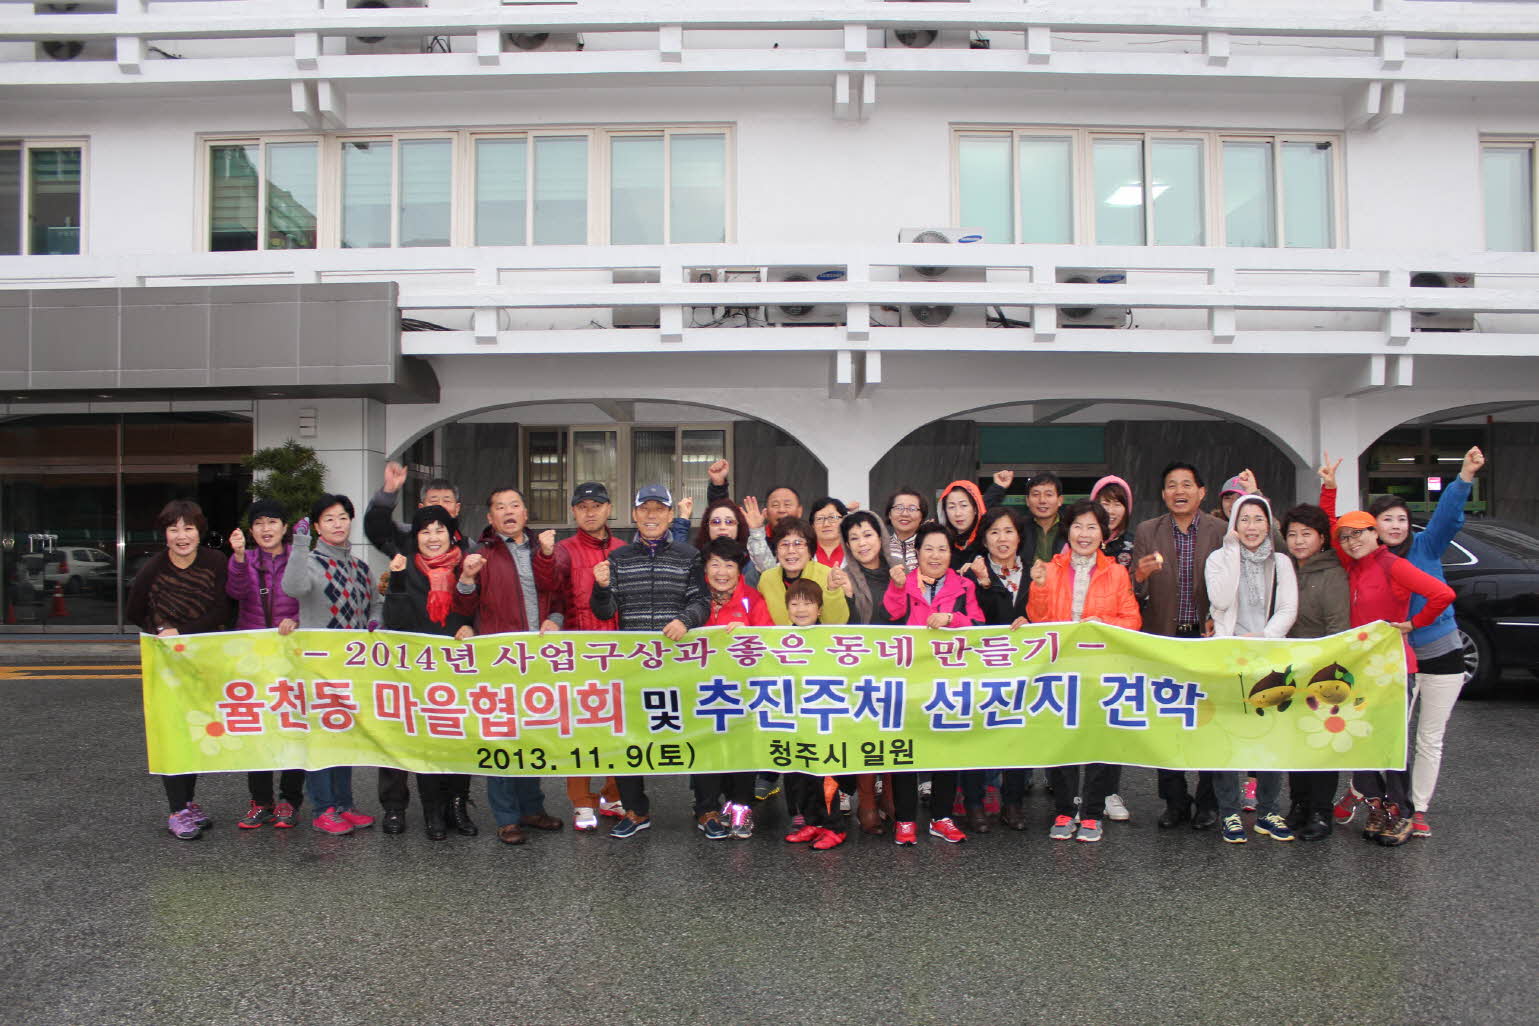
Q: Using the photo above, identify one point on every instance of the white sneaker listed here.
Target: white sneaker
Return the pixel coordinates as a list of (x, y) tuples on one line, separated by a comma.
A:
[(614, 810), (924, 791), (844, 802), (585, 821), (1116, 810)]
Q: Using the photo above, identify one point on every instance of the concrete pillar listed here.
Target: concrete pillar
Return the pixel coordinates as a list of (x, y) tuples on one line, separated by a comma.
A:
[(1340, 434)]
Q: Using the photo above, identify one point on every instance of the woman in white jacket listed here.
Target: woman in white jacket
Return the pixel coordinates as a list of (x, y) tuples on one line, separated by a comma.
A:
[(1253, 593)]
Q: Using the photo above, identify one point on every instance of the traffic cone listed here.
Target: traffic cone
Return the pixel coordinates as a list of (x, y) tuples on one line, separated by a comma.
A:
[(59, 608), (10, 612)]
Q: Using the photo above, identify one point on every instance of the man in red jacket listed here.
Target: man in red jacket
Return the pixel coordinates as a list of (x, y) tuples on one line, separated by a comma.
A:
[(565, 568)]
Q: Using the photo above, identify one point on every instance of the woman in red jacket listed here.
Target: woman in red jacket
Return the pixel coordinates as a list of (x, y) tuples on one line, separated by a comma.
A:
[(933, 596), (1085, 585), (1382, 584)]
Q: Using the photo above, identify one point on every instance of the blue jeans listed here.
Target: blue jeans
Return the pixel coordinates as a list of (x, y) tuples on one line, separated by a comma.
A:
[(1226, 786), (513, 798), (330, 788)]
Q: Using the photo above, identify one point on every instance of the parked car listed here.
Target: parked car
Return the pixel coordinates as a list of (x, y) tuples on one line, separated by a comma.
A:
[(76, 566), (1493, 568)]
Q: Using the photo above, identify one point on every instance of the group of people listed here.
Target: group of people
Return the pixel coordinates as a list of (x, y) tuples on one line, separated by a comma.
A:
[(1240, 570)]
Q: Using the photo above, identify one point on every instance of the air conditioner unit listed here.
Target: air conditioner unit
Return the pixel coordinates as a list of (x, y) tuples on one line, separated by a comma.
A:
[(807, 313), (1451, 320), (75, 49), (635, 316), (526, 42), (935, 315), (1092, 316), (934, 39), (412, 42)]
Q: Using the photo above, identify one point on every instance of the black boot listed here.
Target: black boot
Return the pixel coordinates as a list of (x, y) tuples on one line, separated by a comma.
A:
[(1176, 813), (394, 821), (459, 816), (433, 821), (1205, 818), (1297, 816), (1317, 827)]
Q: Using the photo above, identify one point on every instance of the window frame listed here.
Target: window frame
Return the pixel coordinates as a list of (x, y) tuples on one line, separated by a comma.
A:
[(264, 230), (25, 146), (1511, 142), (1083, 205)]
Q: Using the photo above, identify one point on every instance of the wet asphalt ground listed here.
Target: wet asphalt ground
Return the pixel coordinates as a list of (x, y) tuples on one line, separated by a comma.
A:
[(108, 919)]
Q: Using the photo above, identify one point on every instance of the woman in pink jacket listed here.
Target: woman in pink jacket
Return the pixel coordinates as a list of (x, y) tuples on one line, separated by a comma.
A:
[(937, 597)]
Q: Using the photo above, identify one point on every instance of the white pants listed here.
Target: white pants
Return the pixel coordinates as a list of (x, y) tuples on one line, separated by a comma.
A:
[(1436, 693)]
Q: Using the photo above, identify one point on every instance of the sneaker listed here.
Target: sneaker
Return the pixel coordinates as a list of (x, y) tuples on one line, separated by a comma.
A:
[(585, 820), (1233, 830), (803, 834), (763, 790), (1062, 829), (1089, 830), (741, 819), (714, 829), (1419, 825), (284, 816), (257, 816), (357, 820), (1375, 825), (1273, 826), (1397, 827), (846, 802), (1248, 796), (630, 825), (199, 817), (828, 839), (1346, 806), (1116, 809), (946, 831), (183, 826), (331, 822), (904, 833), (611, 810)]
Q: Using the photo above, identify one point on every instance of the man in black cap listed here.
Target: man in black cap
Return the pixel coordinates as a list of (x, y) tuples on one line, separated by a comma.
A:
[(651, 584)]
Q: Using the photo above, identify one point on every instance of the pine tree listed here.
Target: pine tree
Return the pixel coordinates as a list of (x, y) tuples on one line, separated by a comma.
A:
[(290, 474)]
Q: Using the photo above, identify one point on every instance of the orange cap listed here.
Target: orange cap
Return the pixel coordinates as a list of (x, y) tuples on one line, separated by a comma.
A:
[(1355, 519)]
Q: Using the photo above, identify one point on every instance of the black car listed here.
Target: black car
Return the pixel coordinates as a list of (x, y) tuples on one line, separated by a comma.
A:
[(1493, 568)]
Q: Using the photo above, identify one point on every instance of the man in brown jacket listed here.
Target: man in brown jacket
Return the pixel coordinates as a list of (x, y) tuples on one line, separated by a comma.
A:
[(1170, 553)]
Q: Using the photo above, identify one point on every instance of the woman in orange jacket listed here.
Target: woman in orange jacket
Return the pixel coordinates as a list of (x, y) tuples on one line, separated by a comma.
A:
[(1082, 584)]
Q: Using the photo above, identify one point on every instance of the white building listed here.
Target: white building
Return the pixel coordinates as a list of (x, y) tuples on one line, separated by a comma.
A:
[(1240, 232)]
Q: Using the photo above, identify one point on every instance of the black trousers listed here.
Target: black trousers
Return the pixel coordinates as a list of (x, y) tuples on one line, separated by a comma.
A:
[(806, 797), (179, 789), (291, 786), (972, 787), (1173, 789), (710, 787), (431, 787), (1316, 791), (1391, 785), (905, 795), (633, 795), (1099, 780)]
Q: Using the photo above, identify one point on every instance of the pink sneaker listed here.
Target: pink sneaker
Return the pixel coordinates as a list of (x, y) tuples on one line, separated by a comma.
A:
[(329, 822), (357, 820)]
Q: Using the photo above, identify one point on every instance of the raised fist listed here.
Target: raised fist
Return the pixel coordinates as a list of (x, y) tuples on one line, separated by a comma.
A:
[(238, 542), (1039, 572), (718, 472), (1004, 478), (548, 542), (398, 563), (686, 508), (898, 574), (601, 574), (472, 566)]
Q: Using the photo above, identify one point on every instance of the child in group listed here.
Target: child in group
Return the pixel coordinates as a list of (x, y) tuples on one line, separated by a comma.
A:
[(815, 798)]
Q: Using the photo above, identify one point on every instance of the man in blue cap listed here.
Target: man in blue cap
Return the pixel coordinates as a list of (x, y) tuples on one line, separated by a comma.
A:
[(651, 584)]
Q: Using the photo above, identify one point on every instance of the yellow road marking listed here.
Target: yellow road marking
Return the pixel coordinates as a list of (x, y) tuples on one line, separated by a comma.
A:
[(55, 672)]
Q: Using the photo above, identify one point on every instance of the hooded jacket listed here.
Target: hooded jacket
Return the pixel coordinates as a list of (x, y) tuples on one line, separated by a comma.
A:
[(1224, 580), (568, 572), (1120, 547), (957, 597), (1109, 599), (745, 606), (964, 549)]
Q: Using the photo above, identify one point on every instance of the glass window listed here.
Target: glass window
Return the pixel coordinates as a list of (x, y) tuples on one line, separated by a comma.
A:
[(366, 194), (698, 449), (545, 476), (1507, 174), (983, 179), (596, 457), (636, 189), (502, 187), (1248, 194), (292, 187), (1177, 191), (1119, 191), (697, 198), (1308, 195), (10, 200), (54, 206), (561, 190), (233, 193), (426, 190), (652, 457), (1047, 189)]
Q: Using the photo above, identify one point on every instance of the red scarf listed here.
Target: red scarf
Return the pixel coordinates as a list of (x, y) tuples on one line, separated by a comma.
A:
[(439, 572)]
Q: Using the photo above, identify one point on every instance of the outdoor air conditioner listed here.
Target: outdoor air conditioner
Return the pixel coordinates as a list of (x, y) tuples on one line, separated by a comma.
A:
[(75, 49), (935, 315), (810, 313), (525, 42), (934, 39), (635, 316), (1451, 320), (1092, 316), (412, 42)]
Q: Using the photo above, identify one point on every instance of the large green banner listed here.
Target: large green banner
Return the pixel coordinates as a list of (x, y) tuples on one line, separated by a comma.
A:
[(826, 700)]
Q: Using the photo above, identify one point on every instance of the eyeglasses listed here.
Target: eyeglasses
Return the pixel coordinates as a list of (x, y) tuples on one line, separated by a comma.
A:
[(723, 522), (832, 518), (1352, 534), (792, 543), (905, 509)]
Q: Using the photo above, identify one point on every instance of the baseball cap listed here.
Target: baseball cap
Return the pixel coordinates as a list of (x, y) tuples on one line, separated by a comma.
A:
[(655, 493), (1355, 520), (590, 491)]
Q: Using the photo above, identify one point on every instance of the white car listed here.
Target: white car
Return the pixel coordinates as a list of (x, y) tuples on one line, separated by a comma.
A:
[(75, 566)]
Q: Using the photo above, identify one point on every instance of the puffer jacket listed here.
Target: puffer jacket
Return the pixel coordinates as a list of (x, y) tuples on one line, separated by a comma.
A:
[(957, 596), (745, 606), (569, 572), (964, 548), (255, 584), (1109, 599)]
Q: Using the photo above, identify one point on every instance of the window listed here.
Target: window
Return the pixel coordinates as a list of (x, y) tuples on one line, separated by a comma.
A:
[(1507, 180), (1135, 188), (504, 188), (621, 456), (40, 189)]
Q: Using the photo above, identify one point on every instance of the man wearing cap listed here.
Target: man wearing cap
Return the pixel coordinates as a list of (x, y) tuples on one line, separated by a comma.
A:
[(651, 584), (565, 569)]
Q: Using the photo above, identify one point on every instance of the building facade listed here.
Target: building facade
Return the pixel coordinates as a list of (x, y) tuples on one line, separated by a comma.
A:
[(847, 244)]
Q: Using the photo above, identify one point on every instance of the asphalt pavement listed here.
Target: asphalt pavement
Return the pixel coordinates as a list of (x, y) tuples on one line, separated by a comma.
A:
[(108, 919)]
